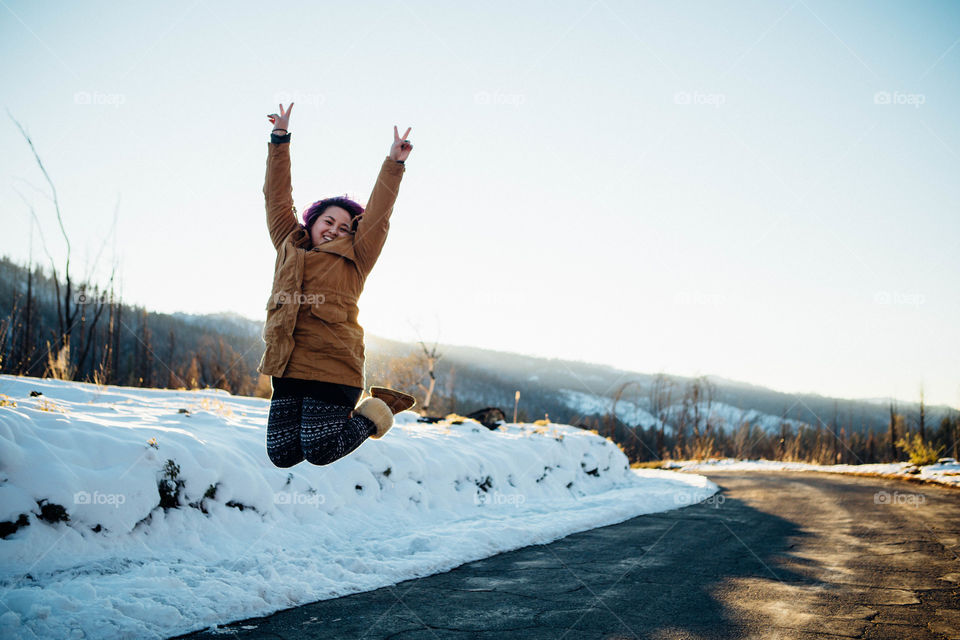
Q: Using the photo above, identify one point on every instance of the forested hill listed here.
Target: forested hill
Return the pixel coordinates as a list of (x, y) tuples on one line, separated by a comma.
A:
[(128, 345), (569, 390)]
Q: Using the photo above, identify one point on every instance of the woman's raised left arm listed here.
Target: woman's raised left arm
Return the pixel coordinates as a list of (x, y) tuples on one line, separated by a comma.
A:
[(375, 221), (277, 190)]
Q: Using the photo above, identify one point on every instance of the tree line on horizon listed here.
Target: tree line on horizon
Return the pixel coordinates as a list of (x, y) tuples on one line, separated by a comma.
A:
[(697, 434), (81, 332)]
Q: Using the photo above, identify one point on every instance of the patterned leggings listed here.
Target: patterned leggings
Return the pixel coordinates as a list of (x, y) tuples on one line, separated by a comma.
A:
[(311, 421)]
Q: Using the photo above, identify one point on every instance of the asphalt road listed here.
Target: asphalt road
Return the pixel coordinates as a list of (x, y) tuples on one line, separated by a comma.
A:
[(774, 555)]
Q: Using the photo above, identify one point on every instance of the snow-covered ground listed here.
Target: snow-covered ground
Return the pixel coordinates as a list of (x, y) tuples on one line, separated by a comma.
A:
[(730, 418), (594, 404), (720, 415), (945, 472), (94, 555)]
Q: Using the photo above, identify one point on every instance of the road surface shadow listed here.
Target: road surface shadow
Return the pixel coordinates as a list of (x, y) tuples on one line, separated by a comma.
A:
[(653, 576)]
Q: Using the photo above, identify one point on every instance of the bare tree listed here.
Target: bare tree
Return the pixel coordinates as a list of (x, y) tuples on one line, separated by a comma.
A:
[(782, 442), (923, 418), (431, 357), (19, 328), (661, 397), (836, 435), (450, 389), (71, 305), (695, 411), (893, 432)]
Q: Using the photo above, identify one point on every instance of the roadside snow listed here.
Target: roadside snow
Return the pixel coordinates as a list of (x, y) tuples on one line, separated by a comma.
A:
[(246, 538), (945, 472)]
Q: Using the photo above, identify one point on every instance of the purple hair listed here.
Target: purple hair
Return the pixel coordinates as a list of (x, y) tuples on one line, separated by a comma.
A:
[(313, 211)]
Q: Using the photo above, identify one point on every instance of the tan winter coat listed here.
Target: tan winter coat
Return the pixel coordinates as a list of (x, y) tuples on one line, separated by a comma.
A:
[(311, 331)]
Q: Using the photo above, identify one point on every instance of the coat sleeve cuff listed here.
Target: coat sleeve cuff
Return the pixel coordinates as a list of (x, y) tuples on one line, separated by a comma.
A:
[(275, 139), (393, 167)]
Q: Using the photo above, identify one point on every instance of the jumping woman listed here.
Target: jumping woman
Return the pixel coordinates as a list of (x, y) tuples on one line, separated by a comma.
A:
[(314, 345)]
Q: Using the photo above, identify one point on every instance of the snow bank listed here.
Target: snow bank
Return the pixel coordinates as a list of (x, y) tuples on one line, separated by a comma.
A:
[(947, 471), (84, 468)]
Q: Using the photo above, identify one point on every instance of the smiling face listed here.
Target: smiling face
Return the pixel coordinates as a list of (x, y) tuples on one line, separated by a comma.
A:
[(329, 225)]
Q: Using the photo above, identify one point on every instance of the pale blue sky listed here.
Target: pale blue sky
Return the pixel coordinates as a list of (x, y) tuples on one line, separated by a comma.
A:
[(764, 191)]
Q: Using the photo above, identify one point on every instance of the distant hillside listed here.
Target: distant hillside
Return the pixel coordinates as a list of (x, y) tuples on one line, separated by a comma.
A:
[(223, 350), (124, 344), (572, 390)]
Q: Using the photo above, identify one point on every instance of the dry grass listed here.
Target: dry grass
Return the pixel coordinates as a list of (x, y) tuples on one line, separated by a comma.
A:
[(215, 406), (58, 364), (100, 379), (653, 464), (49, 405)]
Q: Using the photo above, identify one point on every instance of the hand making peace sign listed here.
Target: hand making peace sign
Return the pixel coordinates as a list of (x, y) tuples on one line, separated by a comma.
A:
[(281, 121), (401, 146)]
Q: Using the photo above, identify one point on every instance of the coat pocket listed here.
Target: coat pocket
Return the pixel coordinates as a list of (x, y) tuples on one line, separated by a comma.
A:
[(331, 332), (329, 313)]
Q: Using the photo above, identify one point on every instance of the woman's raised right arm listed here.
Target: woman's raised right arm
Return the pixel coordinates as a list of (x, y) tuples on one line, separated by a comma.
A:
[(277, 187)]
